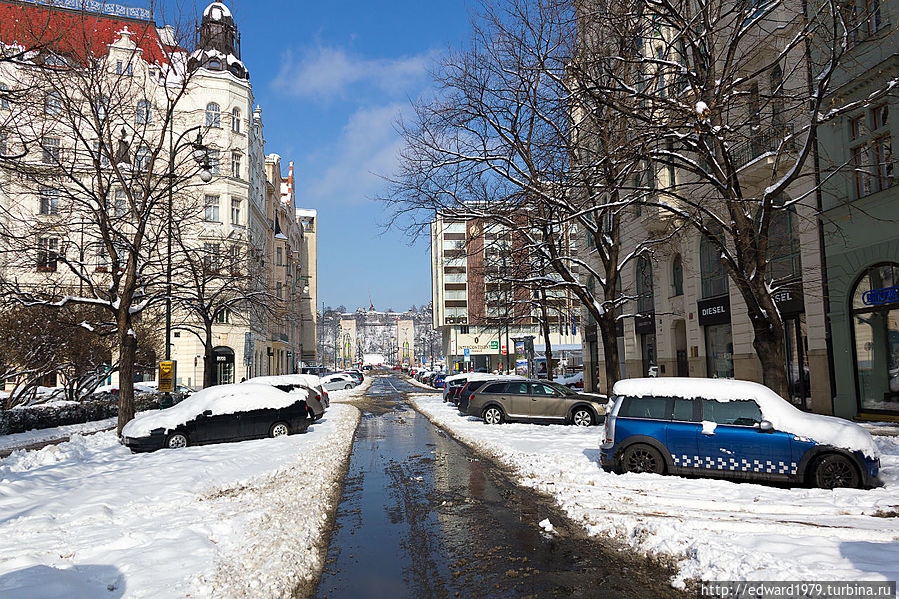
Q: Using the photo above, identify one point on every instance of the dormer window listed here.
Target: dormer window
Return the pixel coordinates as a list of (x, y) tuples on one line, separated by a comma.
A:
[(215, 65)]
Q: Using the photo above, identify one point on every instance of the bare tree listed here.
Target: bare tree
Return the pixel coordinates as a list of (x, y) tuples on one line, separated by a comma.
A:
[(513, 138), (87, 202), (729, 96), (220, 281)]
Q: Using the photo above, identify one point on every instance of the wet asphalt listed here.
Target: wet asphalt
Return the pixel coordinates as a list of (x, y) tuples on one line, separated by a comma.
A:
[(422, 516)]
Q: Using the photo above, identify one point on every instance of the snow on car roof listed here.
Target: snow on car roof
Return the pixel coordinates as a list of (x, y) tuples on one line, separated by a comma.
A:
[(221, 399), (482, 376), (784, 416), (336, 377), (309, 380)]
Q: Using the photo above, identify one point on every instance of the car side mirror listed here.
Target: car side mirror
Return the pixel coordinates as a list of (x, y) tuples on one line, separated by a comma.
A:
[(207, 413), (764, 427)]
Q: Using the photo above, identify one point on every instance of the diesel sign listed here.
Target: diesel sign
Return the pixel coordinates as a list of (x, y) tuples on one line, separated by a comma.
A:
[(714, 311)]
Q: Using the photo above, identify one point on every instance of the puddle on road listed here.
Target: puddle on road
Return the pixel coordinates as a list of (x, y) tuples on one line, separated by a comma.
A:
[(422, 516)]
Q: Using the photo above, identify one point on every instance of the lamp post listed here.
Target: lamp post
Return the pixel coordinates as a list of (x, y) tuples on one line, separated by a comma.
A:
[(201, 156)]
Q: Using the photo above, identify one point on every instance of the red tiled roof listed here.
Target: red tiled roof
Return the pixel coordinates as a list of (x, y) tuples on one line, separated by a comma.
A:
[(73, 32)]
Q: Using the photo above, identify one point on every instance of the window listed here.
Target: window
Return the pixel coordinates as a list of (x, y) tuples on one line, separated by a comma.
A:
[(279, 289), (235, 211), (52, 103), (644, 407), (49, 201), (223, 316), (211, 256), (784, 257), (213, 115), (212, 209), (235, 164), (121, 203), (142, 158), (102, 258), (871, 151), (873, 19), (52, 152), (47, 253), (215, 161), (645, 295), (683, 410), (713, 275), (100, 106), (3, 144), (123, 68), (875, 328), (279, 257), (742, 412), (143, 115), (677, 275), (4, 96), (99, 153), (235, 120)]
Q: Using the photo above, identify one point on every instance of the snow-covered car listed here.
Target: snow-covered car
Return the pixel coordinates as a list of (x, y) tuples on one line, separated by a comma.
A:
[(333, 382), (732, 429), (318, 401), (220, 414), (575, 381)]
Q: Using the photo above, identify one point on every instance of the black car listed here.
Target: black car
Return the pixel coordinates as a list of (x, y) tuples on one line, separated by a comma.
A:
[(177, 427)]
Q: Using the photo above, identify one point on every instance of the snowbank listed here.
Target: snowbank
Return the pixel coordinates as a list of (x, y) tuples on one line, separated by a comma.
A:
[(785, 417), (717, 529), (310, 380), (51, 434), (228, 520), (221, 399)]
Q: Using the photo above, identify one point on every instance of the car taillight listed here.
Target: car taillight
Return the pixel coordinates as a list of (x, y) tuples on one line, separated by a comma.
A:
[(607, 433)]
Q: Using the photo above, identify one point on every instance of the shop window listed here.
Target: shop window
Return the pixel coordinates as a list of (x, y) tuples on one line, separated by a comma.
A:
[(875, 323), (719, 348)]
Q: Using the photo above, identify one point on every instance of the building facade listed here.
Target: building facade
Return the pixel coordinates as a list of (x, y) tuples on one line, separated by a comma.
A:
[(860, 203)]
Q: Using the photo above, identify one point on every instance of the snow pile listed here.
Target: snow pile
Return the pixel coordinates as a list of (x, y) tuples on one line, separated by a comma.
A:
[(716, 529), (88, 518), (51, 434), (785, 417), (310, 380), (221, 399)]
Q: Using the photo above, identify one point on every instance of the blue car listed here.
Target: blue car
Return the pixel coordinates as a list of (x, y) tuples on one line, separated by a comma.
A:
[(731, 429), (439, 381)]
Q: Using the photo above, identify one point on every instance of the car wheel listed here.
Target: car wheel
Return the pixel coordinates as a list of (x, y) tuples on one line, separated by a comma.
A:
[(582, 417), (494, 415), (176, 441), (279, 429), (642, 458), (834, 471), (348, 387)]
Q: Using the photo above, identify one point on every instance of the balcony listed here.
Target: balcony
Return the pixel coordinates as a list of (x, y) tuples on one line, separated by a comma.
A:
[(754, 158)]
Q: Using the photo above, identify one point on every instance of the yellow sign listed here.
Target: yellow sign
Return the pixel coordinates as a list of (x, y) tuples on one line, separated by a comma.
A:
[(166, 376)]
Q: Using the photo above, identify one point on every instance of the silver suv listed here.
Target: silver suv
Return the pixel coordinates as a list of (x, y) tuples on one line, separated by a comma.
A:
[(530, 400)]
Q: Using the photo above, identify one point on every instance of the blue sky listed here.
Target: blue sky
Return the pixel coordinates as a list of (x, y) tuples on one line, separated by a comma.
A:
[(331, 78)]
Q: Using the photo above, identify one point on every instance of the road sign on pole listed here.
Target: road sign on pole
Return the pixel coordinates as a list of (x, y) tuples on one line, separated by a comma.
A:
[(167, 376), (467, 353), (504, 350)]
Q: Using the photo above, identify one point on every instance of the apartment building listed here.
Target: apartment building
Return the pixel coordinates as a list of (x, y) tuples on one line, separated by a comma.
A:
[(860, 203), (245, 216), (482, 310), (686, 316)]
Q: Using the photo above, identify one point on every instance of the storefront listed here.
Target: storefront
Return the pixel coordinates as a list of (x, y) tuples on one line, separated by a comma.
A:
[(791, 305), (224, 365), (646, 331), (714, 318), (875, 338)]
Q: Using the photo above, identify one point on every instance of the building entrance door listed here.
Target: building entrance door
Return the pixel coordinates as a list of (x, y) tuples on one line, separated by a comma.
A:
[(224, 365)]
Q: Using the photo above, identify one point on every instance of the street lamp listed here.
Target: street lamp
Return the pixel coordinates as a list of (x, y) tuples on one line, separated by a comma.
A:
[(200, 155)]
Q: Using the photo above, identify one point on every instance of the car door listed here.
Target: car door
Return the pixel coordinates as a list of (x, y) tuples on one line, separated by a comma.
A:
[(546, 402), (517, 398), (682, 432), (730, 441), (212, 428)]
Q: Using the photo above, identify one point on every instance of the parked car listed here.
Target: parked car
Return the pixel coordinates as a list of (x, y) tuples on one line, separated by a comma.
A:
[(456, 382), (220, 414), (356, 374), (318, 401), (461, 398), (731, 429), (531, 400), (439, 381), (333, 382)]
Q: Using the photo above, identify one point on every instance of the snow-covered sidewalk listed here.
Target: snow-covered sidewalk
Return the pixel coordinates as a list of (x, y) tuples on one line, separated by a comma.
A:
[(87, 518), (715, 529), (51, 434)]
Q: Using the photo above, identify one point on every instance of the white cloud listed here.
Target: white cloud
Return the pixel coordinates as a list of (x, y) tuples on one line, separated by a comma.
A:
[(368, 146), (325, 72)]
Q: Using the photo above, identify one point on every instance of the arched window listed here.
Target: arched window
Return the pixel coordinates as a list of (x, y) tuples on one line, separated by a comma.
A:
[(235, 120), (645, 295), (213, 115), (713, 275), (875, 328), (677, 275), (142, 117)]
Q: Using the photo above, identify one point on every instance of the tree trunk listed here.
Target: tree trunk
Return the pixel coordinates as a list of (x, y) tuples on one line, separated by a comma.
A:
[(549, 348), (607, 327), (127, 351), (769, 335), (208, 359)]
